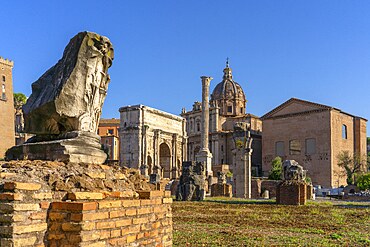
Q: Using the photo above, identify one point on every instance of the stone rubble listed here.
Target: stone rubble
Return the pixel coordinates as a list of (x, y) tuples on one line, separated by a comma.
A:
[(71, 177)]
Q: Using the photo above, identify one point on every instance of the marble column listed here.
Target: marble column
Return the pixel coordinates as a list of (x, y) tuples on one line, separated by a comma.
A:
[(205, 155), (174, 157), (144, 168), (157, 166)]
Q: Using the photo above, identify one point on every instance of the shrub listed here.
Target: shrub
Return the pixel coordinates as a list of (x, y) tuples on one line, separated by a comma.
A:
[(363, 181)]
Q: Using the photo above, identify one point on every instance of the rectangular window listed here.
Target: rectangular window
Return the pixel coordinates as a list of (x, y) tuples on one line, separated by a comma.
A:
[(229, 109), (294, 147), (4, 78), (110, 131), (241, 110), (310, 146), (3, 95), (344, 131), (279, 149)]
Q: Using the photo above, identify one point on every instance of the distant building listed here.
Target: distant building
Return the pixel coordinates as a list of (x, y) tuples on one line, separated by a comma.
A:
[(152, 138), (227, 106), (312, 134), (108, 130), (7, 133)]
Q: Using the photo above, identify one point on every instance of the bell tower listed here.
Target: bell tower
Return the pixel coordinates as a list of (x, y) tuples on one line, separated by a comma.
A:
[(7, 133)]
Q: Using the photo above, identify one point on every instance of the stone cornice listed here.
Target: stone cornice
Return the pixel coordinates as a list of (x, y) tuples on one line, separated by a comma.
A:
[(152, 110), (297, 114)]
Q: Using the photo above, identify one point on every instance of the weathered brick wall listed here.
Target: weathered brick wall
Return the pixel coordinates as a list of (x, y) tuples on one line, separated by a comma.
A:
[(7, 133), (291, 193), (23, 214), (256, 188), (30, 216), (260, 185), (309, 191)]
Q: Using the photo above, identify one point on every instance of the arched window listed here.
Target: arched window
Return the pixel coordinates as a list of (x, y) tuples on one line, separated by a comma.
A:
[(344, 131), (198, 126)]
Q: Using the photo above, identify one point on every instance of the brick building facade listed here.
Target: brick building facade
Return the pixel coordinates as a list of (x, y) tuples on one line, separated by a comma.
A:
[(313, 135), (108, 130), (7, 134)]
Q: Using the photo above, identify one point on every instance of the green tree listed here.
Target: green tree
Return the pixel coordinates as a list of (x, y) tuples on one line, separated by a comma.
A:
[(19, 100), (363, 181), (352, 165), (276, 169)]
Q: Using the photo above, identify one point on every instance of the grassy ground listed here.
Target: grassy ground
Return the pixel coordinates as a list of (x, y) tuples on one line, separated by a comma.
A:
[(222, 222)]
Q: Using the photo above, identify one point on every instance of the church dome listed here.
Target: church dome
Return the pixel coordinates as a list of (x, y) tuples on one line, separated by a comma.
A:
[(228, 95)]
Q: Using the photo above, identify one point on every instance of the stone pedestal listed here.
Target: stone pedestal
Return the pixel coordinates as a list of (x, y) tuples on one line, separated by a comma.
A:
[(291, 193), (242, 173), (75, 146), (205, 157), (224, 190)]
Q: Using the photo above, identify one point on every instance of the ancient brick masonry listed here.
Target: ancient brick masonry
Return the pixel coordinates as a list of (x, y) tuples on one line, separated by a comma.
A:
[(30, 216), (291, 193), (143, 222)]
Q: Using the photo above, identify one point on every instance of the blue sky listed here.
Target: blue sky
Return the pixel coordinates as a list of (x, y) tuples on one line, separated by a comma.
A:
[(313, 50)]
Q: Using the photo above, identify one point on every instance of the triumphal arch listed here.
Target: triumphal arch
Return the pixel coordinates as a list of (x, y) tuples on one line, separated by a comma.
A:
[(152, 140)]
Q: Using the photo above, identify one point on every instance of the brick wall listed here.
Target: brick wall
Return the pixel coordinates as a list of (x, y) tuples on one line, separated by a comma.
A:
[(294, 193), (31, 216), (260, 185), (315, 125), (7, 133)]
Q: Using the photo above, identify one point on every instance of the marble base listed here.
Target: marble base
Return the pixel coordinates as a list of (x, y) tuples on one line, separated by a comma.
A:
[(75, 146), (205, 157)]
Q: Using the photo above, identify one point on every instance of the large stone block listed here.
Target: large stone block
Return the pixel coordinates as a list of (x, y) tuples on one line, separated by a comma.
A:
[(70, 95), (66, 102)]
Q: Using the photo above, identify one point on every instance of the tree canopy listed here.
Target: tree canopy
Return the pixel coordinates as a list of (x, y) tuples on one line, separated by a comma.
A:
[(19, 100), (276, 169), (352, 164)]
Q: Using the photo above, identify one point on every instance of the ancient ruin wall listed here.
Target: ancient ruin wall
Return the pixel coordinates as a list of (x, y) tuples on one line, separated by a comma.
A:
[(33, 215)]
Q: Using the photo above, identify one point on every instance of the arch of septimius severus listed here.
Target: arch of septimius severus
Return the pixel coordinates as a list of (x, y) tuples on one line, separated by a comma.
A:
[(152, 140)]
